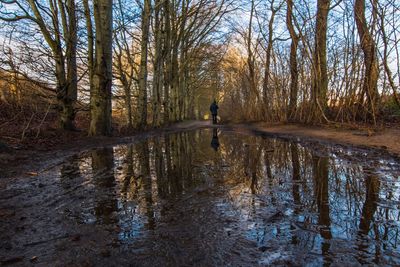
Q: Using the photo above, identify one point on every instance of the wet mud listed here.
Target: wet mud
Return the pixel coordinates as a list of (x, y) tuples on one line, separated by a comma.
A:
[(210, 197)]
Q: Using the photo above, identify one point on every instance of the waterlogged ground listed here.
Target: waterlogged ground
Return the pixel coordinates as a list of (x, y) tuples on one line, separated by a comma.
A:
[(206, 198)]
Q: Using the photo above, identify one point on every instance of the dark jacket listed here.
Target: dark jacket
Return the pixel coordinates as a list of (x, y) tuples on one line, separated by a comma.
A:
[(214, 108)]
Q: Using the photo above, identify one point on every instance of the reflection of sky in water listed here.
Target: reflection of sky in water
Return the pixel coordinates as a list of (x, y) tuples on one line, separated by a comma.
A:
[(251, 182), (130, 222)]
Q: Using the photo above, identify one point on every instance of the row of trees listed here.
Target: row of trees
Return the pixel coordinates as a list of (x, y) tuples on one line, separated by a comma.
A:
[(98, 52), (161, 61), (315, 62), (55, 23)]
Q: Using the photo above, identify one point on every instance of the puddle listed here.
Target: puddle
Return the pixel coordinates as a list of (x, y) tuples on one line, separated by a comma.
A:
[(210, 197)]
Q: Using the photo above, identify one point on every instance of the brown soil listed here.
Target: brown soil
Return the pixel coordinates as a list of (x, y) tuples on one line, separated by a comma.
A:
[(386, 138)]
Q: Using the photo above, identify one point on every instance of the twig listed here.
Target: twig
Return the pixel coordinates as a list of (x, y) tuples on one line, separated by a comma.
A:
[(26, 128), (41, 123), (46, 241)]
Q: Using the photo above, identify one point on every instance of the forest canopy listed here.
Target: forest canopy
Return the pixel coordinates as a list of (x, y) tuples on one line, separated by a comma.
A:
[(139, 64)]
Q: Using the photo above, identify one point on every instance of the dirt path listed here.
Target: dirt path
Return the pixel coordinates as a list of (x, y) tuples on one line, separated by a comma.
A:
[(37, 160), (386, 139)]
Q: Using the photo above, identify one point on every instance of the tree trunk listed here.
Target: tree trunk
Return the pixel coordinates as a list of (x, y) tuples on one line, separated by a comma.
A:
[(181, 90), (268, 53), (70, 95), (174, 107), (100, 102), (254, 96), (61, 89), (158, 66), (142, 102), (294, 75), (128, 105), (127, 91), (320, 77), (368, 46), (89, 27), (385, 60), (167, 59), (66, 87)]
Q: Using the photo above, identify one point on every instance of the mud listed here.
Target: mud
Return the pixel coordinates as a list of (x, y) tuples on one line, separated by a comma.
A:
[(205, 197)]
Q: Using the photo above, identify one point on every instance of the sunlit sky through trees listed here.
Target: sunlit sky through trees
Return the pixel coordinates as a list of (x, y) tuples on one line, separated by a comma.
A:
[(212, 47)]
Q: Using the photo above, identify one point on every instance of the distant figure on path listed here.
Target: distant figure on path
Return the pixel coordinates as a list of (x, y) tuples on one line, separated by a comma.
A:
[(214, 140), (214, 111)]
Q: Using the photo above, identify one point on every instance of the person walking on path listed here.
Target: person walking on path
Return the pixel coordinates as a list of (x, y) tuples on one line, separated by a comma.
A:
[(214, 111)]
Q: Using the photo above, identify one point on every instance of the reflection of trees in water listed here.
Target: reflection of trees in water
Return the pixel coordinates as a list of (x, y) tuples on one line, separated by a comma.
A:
[(372, 185), (144, 165), (328, 197), (104, 181), (321, 193), (167, 162), (70, 174), (294, 152), (326, 192), (168, 159), (179, 153), (251, 165), (160, 168), (130, 179), (70, 170)]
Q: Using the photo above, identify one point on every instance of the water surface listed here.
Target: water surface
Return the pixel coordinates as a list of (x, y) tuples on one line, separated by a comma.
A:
[(212, 197)]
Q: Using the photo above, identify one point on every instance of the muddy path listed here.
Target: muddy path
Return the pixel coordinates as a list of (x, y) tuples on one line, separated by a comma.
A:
[(17, 162), (386, 141), (167, 197)]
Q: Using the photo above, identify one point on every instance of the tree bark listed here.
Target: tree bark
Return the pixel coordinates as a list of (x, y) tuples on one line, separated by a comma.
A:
[(320, 77), (65, 64), (253, 93), (167, 59), (70, 96), (158, 65), (142, 102), (182, 86), (90, 36), (294, 75), (268, 55), (100, 102), (368, 46), (174, 64)]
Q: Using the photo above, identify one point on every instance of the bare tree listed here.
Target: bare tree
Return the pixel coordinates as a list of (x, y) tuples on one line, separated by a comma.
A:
[(57, 23), (125, 53), (158, 64), (100, 100), (320, 75), (294, 76), (142, 102), (368, 46)]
